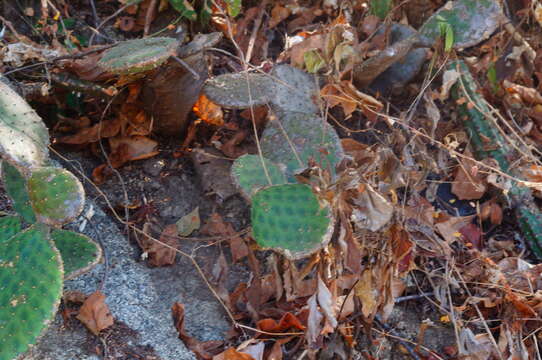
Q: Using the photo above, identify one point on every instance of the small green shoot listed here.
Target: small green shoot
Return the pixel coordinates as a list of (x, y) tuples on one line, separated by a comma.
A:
[(446, 31), (185, 8), (380, 8)]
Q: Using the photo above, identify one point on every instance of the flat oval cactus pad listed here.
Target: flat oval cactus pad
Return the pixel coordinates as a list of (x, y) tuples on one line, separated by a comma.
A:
[(15, 186), (472, 21), (24, 138), (289, 219), (248, 173), (240, 90), (138, 55), (30, 289), (79, 253), (56, 195)]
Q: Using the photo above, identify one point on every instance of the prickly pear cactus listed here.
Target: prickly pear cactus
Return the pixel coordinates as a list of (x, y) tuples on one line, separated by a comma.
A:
[(472, 21), (298, 134), (487, 141), (289, 219), (79, 253), (9, 226), (24, 139), (240, 90), (295, 139), (15, 186), (31, 268), (56, 195), (285, 217), (30, 288), (249, 175), (139, 55)]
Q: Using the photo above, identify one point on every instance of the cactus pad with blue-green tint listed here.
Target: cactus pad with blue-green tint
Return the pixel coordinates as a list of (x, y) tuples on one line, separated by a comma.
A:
[(472, 21), (56, 195), (289, 219), (24, 138), (138, 55), (30, 289), (15, 186), (297, 138), (248, 173), (9, 226), (79, 253)]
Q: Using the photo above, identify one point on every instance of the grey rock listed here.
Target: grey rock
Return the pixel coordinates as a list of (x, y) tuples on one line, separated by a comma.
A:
[(140, 299), (403, 71)]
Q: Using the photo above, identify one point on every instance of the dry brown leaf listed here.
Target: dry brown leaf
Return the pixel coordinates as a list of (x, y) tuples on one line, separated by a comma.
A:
[(124, 149), (161, 255), (529, 95), (232, 354), (208, 111), (327, 303), (371, 211), (366, 291), (297, 52), (255, 351), (287, 321), (402, 249), (102, 130), (471, 185), (449, 229), (206, 350), (314, 325), (94, 313), (216, 226), (335, 97), (278, 14)]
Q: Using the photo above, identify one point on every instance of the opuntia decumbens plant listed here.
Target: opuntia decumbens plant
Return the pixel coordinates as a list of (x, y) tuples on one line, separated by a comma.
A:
[(36, 255), (286, 217)]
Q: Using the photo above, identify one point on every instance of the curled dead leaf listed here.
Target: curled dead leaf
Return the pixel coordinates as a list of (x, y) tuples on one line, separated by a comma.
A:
[(95, 313), (208, 111)]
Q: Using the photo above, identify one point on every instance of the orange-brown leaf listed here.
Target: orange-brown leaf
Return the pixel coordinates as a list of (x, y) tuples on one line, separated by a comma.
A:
[(232, 354), (287, 321), (95, 313), (208, 111)]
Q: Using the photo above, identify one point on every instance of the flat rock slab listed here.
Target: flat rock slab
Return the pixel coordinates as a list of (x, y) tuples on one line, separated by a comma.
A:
[(140, 300)]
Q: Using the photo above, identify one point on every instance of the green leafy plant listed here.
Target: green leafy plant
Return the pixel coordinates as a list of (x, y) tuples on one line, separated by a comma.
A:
[(447, 32), (286, 217), (36, 255), (187, 9), (380, 8)]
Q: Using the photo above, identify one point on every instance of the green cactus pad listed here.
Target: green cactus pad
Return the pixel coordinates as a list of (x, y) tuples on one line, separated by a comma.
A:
[(24, 139), (472, 21), (139, 55), (56, 195), (198, 44), (309, 135), (15, 186), (30, 289), (248, 173), (232, 90), (79, 253), (9, 226), (289, 219), (294, 91)]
